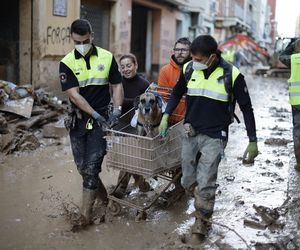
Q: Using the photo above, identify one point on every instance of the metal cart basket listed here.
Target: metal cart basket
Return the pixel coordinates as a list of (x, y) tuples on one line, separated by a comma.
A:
[(143, 155)]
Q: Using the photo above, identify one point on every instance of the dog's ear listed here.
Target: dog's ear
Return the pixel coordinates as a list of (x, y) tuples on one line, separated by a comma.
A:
[(159, 101), (136, 102)]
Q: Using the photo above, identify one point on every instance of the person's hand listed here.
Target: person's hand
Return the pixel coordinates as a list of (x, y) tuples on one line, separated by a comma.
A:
[(163, 126), (99, 119), (250, 153), (114, 118)]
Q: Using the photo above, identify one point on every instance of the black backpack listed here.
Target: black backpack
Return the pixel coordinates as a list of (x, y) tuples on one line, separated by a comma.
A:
[(227, 81)]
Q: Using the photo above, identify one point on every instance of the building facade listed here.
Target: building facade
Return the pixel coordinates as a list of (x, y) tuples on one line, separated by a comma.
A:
[(37, 32), (254, 18), (41, 34)]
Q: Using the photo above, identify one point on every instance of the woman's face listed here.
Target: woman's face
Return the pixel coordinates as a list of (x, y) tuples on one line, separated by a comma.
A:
[(128, 68)]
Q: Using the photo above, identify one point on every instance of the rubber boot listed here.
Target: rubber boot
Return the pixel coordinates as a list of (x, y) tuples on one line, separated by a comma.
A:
[(99, 210), (101, 196), (203, 212), (88, 199), (199, 230)]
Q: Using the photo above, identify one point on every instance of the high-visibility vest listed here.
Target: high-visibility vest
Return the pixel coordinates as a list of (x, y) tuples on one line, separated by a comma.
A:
[(294, 80), (97, 74), (229, 56), (213, 87)]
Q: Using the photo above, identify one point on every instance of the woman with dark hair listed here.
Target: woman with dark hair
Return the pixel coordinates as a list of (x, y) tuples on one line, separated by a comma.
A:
[(133, 84)]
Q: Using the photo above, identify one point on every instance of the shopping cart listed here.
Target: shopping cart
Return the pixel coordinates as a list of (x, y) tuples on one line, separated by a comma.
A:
[(149, 157)]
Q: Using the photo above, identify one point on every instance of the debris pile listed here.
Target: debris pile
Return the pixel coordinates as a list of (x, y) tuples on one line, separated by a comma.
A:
[(27, 116)]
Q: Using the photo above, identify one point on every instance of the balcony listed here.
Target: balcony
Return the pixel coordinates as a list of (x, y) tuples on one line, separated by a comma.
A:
[(233, 15), (185, 5)]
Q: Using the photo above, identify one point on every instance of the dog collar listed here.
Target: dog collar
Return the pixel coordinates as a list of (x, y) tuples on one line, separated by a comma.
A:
[(152, 126)]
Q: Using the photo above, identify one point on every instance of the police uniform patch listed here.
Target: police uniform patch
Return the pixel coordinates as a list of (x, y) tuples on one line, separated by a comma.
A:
[(100, 67), (63, 77)]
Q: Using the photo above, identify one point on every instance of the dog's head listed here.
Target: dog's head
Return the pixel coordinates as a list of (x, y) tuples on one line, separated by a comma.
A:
[(148, 103)]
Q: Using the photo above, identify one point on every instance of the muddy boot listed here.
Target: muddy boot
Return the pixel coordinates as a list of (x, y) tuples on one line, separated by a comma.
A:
[(88, 199), (203, 211), (101, 196), (199, 231), (99, 210), (123, 181), (101, 200)]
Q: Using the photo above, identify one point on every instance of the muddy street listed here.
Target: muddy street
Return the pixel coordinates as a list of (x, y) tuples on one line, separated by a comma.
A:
[(34, 186)]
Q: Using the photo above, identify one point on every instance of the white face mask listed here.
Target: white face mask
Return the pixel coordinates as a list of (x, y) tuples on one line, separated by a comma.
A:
[(83, 49), (199, 66)]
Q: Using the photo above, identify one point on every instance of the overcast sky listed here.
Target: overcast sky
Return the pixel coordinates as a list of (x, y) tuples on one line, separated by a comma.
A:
[(286, 14)]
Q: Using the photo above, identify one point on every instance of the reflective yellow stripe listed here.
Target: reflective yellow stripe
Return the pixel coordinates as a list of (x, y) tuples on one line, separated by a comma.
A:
[(207, 93), (294, 94), (99, 68), (93, 81), (212, 87), (294, 81), (291, 84)]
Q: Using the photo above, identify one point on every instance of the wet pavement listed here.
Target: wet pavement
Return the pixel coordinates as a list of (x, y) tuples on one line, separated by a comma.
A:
[(35, 185)]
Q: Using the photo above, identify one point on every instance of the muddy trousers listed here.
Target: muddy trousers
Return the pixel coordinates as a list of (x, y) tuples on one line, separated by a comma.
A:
[(296, 133), (89, 149), (201, 156)]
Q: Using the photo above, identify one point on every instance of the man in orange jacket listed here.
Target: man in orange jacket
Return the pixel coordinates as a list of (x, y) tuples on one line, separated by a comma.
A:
[(169, 73), (167, 78)]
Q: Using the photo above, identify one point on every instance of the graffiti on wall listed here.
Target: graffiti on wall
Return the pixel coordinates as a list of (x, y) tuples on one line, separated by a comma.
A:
[(58, 35)]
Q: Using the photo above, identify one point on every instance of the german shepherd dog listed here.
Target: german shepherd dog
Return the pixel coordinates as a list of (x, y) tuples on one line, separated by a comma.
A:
[(149, 114)]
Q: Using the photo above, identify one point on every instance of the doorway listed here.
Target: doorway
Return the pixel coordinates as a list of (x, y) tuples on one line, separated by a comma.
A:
[(9, 42), (141, 31), (98, 13)]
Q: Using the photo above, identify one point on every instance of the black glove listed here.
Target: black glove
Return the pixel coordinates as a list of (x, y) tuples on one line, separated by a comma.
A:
[(99, 119), (114, 118)]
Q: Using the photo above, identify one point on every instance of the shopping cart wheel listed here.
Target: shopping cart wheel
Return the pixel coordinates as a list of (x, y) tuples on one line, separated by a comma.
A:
[(114, 208), (141, 215)]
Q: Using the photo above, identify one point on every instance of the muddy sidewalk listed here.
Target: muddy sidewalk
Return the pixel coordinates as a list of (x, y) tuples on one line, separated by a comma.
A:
[(35, 185)]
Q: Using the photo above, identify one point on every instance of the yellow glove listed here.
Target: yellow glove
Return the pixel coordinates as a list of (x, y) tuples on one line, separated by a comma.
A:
[(163, 126), (250, 153)]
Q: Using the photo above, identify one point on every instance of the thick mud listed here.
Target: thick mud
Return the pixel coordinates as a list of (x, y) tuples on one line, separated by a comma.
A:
[(257, 205)]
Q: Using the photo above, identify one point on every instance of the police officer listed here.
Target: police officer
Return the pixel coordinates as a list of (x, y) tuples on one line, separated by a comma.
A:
[(208, 115), (291, 57), (86, 74)]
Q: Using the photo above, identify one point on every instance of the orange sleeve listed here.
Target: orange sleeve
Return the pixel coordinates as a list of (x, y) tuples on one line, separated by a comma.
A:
[(162, 77)]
